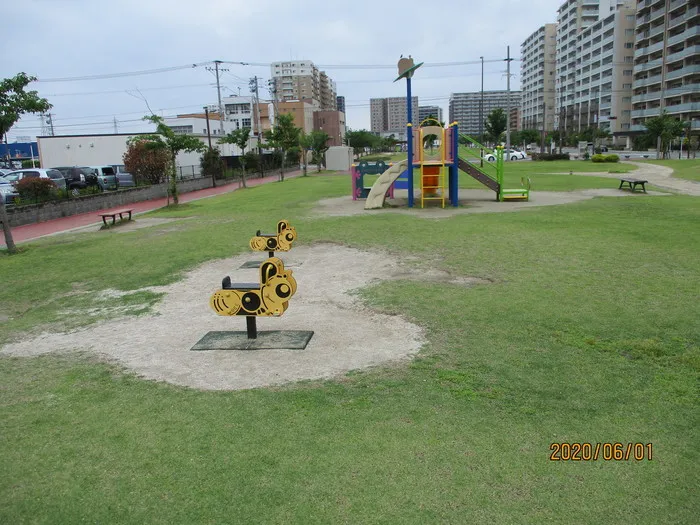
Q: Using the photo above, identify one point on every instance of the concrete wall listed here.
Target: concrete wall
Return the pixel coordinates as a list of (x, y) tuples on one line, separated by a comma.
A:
[(88, 203)]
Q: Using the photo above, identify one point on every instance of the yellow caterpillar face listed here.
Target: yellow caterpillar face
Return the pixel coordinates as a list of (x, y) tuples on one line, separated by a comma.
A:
[(226, 302)]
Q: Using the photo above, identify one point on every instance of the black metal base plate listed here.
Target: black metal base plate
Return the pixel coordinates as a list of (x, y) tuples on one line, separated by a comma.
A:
[(251, 264), (269, 340)]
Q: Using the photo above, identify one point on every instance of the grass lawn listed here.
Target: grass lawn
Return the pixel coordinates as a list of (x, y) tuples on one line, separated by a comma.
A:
[(683, 169), (589, 332)]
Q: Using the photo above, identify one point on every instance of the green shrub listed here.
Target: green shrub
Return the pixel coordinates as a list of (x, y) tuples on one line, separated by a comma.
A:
[(36, 190), (605, 158), (212, 164), (550, 156)]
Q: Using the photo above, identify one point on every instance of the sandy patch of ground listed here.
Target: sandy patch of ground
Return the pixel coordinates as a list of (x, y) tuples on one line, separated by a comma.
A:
[(471, 201), (347, 335)]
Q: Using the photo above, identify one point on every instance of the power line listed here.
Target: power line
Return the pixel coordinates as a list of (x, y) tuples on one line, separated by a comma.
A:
[(105, 76), (112, 91)]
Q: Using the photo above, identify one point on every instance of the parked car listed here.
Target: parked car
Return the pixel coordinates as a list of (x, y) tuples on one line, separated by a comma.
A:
[(512, 154), (37, 173), (8, 192), (124, 178), (106, 177), (78, 178), (4, 172)]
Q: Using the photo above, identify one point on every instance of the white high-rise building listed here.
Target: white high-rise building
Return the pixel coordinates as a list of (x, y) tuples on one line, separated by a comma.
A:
[(667, 62), (301, 80), (538, 56), (574, 16)]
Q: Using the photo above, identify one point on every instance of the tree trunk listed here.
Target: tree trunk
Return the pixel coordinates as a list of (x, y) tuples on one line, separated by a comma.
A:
[(176, 200), (9, 241), (243, 181), (284, 157)]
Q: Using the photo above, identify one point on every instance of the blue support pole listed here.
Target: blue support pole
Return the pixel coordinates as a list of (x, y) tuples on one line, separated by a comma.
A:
[(455, 166), (409, 138)]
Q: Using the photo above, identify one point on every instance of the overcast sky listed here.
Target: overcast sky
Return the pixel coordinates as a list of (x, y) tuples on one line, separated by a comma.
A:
[(55, 39)]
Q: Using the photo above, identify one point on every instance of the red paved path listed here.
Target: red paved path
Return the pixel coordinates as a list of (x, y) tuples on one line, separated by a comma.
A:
[(39, 229)]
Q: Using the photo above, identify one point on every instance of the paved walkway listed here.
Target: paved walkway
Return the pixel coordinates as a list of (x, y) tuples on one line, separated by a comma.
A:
[(64, 224), (659, 176)]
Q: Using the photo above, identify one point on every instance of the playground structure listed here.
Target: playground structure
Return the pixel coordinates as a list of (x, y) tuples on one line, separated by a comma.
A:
[(436, 152), (358, 172), (269, 297)]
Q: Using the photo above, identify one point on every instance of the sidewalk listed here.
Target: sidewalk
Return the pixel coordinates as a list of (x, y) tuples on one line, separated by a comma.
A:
[(64, 224)]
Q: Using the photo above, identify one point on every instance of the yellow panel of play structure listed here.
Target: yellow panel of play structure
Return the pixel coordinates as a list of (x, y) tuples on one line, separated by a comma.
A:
[(269, 297), (430, 145), (271, 242)]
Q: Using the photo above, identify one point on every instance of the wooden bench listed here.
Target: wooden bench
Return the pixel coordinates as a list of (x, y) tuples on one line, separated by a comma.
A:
[(633, 183), (114, 214)]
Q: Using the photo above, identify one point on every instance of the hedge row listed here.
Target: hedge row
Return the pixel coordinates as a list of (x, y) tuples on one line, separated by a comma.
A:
[(550, 156), (605, 158)]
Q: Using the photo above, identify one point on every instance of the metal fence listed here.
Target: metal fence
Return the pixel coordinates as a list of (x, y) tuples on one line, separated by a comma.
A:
[(189, 172)]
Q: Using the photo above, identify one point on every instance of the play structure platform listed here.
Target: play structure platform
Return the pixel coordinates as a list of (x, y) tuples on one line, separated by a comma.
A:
[(439, 154)]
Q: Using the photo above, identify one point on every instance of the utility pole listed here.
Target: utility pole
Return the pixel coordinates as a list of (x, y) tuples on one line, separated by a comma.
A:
[(218, 93), (253, 84), (206, 115), (544, 121), (116, 129), (213, 174), (50, 119), (481, 114), (508, 61)]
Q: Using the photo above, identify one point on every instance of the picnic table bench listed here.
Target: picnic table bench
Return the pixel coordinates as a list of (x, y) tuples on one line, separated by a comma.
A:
[(632, 183), (114, 214)]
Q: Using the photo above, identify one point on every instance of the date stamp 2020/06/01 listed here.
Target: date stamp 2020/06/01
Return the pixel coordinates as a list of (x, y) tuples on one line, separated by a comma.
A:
[(605, 451)]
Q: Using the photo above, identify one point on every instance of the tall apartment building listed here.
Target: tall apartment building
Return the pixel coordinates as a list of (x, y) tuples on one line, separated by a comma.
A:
[(667, 61), (537, 80), (464, 107), (340, 103), (390, 115), (426, 111), (301, 80), (592, 63)]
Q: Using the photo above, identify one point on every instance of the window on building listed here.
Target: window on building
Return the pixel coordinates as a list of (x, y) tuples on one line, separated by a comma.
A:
[(629, 32), (245, 122), (629, 59), (626, 86), (630, 18), (627, 73), (628, 45), (626, 99)]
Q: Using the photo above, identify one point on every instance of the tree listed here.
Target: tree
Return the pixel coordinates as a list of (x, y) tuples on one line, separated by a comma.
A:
[(212, 164), (284, 137), (166, 138), (361, 140), (529, 136), (15, 102), (495, 124), (239, 137), (146, 162), (663, 129), (304, 145), (429, 140), (319, 146)]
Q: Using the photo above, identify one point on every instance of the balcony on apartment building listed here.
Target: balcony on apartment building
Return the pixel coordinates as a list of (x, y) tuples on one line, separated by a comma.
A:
[(649, 112), (653, 48), (683, 71), (647, 66), (685, 35), (648, 81)]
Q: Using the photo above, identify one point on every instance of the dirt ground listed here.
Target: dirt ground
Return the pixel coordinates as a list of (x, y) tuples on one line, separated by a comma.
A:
[(347, 335), (471, 201)]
